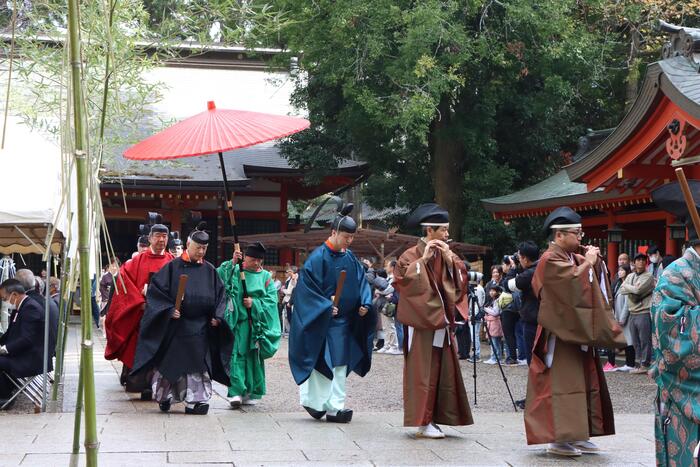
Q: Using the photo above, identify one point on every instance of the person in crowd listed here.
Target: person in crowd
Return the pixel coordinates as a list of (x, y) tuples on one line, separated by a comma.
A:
[(528, 256), (175, 247), (127, 307), (55, 290), (427, 276), (390, 266), (492, 317), (667, 260), (107, 282), (621, 309), (383, 293), (254, 321), (655, 267), (287, 289), (638, 287), (567, 396), (675, 313), (623, 259), (34, 288), (331, 336), (142, 244), (185, 348), (22, 345)]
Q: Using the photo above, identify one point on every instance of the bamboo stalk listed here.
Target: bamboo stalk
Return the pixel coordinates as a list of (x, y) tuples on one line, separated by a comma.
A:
[(64, 315), (83, 182), (9, 72), (78, 413), (688, 197)]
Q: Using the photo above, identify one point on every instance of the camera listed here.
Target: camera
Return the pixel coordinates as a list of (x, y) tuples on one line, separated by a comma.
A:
[(511, 259), (475, 276)]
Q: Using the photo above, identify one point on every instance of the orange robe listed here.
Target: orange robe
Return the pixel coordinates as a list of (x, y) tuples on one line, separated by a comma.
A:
[(569, 401), (433, 389)]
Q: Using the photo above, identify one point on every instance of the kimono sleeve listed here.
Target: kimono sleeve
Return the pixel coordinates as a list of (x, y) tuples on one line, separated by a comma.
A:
[(266, 319), (420, 306), (572, 305)]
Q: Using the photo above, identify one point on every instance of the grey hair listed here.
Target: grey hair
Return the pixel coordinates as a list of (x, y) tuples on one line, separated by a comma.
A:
[(27, 279), (41, 285)]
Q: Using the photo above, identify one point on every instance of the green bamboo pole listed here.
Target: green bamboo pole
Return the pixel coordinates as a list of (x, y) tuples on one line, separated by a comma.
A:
[(62, 328), (80, 138), (78, 412)]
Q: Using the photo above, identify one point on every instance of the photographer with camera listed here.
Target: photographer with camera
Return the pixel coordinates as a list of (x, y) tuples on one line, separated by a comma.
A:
[(528, 255)]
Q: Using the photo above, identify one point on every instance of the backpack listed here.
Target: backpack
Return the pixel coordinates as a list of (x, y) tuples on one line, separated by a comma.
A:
[(517, 304)]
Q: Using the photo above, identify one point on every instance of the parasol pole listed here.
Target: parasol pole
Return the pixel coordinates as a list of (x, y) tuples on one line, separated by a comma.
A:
[(688, 196), (234, 229)]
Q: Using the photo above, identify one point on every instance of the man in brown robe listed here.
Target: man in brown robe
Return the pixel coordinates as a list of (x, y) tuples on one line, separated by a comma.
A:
[(429, 286), (567, 396)]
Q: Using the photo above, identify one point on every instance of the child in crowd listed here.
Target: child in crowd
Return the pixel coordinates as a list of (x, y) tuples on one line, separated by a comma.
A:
[(499, 300)]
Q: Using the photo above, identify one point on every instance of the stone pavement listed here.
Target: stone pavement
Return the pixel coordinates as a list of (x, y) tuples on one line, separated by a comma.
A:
[(135, 433)]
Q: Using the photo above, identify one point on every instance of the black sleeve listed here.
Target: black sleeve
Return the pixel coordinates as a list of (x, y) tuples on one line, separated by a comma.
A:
[(523, 281)]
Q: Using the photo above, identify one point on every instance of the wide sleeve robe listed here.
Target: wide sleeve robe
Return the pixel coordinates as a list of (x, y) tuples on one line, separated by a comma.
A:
[(429, 290), (567, 395)]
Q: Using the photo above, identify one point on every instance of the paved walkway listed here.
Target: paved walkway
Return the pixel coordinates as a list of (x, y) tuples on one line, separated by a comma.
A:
[(135, 433)]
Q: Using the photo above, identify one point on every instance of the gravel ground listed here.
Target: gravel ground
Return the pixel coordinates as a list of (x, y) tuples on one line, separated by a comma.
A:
[(381, 389)]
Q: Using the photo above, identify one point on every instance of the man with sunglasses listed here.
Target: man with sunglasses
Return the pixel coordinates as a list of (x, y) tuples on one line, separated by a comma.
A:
[(567, 396)]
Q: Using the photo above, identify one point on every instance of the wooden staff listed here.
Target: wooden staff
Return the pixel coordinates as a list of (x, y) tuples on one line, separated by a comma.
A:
[(180, 291), (339, 288), (688, 196)]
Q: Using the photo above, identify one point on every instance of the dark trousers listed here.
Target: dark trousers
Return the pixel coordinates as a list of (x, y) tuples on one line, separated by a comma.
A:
[(629, 356), (464, 340), (6, 387), (509, 320), (529, 332)]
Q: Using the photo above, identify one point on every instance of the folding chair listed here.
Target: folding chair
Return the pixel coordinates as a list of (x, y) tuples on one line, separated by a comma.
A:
[(32, 387)]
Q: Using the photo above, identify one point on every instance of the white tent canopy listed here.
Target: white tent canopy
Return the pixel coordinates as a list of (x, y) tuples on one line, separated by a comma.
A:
[(30, 191)]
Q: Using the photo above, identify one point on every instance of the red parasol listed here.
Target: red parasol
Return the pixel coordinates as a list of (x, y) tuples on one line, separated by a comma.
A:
[(216, 131)]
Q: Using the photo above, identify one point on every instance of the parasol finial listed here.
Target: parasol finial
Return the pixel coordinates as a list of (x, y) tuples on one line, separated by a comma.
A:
[(211, 105)]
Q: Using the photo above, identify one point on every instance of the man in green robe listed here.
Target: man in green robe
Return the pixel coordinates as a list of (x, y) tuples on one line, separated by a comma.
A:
[(252, 316), (675, 315)]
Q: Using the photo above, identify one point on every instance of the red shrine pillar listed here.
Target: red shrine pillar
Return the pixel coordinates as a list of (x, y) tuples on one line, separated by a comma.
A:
[(613, 249), (671, 244)]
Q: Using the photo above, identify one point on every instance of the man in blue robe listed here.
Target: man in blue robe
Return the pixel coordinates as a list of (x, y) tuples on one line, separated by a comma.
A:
[(326, 342)]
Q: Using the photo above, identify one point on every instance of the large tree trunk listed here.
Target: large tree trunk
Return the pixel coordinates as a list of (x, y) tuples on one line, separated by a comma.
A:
[(447, 157)]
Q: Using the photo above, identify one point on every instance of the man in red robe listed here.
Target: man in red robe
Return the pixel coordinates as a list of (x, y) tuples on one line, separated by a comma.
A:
[(127, 307), (428, 277)]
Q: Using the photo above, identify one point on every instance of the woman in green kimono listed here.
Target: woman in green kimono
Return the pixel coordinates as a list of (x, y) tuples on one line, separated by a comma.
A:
[(675, 314), (254, 322)]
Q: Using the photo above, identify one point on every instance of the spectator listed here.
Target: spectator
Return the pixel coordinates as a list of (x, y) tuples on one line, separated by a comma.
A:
[(34, 289), (22, 346), (638, 287), (623, 260), (55, 290), (492, 317), (667, 260), (476, 316), (655, 267), (383, 305), (528, 254), (389, 266), (621, 310), (287, 289)]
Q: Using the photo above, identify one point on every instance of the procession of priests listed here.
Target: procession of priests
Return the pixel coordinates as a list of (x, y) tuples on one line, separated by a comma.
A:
[(177, 323)]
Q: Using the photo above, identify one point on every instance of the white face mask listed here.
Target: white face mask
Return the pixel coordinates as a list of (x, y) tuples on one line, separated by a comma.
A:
[(10, 306), (654, 259)]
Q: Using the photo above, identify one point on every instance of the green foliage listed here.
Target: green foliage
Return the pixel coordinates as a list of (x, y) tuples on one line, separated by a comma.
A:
[(510, 84), (42, 69)]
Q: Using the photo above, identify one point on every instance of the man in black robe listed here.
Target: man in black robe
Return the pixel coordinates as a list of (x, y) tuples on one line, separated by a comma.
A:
[(186, 347)]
